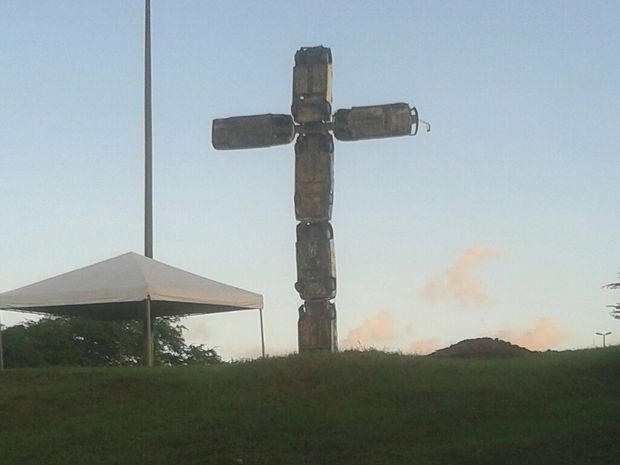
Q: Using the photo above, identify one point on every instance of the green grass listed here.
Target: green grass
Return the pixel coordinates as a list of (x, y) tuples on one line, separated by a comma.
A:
[(348, 408)]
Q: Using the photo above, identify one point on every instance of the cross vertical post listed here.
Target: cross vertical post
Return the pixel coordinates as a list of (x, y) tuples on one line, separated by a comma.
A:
[(314, 179), (313, 123)]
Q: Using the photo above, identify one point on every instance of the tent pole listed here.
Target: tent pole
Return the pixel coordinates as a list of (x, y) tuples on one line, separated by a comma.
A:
[(262, 332), (148, 334), (1, 347)]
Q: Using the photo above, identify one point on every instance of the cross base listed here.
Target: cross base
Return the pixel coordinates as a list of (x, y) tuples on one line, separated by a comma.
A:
[(317, 327)]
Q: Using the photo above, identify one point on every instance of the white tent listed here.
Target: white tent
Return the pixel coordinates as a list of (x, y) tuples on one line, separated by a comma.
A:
[(129, 286)]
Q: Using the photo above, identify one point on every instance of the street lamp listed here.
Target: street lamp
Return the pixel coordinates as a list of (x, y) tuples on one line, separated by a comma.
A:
[(604, 336)]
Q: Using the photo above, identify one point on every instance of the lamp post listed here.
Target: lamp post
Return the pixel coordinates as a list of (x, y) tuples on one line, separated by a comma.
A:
[(604, 336)]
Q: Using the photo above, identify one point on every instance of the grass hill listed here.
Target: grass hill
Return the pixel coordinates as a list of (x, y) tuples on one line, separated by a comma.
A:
[(347, 408), (482, 347)]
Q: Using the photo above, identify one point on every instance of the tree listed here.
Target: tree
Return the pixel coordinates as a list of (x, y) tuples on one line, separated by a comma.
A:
[(84, 342), (615, 313)]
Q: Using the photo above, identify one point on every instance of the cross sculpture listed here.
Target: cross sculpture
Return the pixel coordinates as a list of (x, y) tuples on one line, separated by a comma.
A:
[(312, 121)]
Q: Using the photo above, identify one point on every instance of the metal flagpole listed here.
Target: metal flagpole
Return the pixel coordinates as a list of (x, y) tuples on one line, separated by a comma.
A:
[(148, 136), (148, 177), (262, 332)]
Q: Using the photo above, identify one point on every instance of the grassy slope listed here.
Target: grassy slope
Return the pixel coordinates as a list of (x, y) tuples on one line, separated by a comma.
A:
[(362, 408)]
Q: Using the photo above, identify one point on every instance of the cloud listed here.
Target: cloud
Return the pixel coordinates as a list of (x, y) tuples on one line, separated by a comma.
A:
[(378, 330), (381, 330), (544, 335), (423, 346), (458, 282)]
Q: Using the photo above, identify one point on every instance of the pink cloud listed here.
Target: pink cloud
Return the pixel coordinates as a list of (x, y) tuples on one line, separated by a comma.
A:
[(423, 346), (458, 282), (544, 335), (377, 330)]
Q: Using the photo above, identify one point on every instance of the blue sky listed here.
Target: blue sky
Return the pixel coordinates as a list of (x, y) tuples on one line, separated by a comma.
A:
[(500, 222)]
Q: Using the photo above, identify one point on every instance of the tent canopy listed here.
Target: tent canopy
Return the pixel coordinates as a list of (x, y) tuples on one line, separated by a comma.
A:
[(117, 288)]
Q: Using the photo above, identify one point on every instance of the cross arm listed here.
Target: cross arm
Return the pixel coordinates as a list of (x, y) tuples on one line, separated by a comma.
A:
[(256, 131), (376, 122), (357, 123)]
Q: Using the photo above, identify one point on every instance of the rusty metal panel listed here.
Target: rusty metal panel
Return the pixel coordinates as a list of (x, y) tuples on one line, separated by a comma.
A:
[(316, 327), (314, 177), (312, 85), (316, 264), (374, 122), (245, 132)]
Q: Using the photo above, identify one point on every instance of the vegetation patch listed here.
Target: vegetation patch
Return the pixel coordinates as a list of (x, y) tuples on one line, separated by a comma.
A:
[(483, 347), (347, 408)]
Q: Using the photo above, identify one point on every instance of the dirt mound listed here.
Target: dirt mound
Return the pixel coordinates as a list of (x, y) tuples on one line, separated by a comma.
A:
[(483, 347)]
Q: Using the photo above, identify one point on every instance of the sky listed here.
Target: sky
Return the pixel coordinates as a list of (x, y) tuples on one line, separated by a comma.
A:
[(500, 222)]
